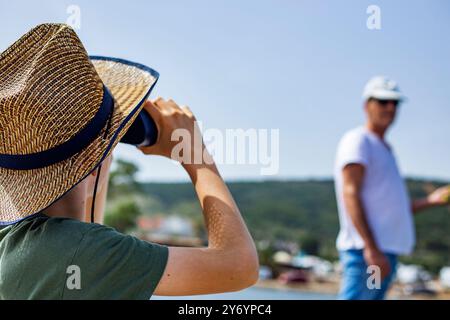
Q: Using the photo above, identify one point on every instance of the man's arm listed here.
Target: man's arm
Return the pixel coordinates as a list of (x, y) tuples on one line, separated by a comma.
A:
[(439, 197), (353, 175), (230, 261)]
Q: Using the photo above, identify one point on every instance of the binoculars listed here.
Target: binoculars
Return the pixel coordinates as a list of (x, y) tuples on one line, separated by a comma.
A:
[(143, 131)]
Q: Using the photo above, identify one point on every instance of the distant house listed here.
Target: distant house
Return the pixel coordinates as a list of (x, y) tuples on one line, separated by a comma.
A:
[(411, 274), (170, 230), (444, 277), (320, 267), (167, 225), (282, 257), (176, 225), (149, 223)]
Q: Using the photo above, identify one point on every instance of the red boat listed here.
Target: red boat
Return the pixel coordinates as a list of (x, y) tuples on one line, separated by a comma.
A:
[(293, 276)]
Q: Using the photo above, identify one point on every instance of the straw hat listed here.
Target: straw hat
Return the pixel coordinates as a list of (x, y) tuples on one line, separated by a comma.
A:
[(61, 114)]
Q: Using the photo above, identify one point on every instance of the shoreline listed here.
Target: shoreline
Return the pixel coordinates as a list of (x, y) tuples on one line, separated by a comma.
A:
[(312, 286), (332, 288)]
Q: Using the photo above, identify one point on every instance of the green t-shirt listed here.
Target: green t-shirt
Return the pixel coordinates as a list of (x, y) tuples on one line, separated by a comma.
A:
[(60, 258)]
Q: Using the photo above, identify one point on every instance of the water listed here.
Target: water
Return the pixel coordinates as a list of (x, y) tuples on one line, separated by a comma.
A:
[(255, 293)]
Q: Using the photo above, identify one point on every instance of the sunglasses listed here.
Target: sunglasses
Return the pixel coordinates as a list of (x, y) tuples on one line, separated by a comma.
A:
[(384, 103)]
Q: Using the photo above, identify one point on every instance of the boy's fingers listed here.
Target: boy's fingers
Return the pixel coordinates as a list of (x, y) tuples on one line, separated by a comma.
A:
[(173, 105), (188, 111), (152, 108), (158, 100), (149, 105), (168, 107), (160, 104)]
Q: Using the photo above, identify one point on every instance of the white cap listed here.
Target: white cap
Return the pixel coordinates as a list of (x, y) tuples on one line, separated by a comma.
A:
[(382, 88)]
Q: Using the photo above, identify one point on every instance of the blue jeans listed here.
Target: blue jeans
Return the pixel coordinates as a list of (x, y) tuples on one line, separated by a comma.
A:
[(355, 275)]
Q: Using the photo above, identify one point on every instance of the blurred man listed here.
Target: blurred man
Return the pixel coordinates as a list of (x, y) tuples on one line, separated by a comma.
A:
[(375, 211)]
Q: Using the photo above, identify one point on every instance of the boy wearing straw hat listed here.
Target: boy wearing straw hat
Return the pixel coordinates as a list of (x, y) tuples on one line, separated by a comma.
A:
[(61, 115)]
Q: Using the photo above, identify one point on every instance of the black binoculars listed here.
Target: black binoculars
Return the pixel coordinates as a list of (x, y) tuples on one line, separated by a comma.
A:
[(143, 132)]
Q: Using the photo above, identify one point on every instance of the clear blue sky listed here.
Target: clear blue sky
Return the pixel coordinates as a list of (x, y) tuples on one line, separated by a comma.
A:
[(299, 66)]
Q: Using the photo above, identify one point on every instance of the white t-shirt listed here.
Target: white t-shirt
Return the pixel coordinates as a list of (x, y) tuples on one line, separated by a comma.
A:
[(384, 195)]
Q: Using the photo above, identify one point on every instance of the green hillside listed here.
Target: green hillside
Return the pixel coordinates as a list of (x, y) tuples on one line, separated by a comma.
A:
[(303, 212)]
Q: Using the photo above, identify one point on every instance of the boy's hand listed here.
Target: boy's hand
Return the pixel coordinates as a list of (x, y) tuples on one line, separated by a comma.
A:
[(174, 122)]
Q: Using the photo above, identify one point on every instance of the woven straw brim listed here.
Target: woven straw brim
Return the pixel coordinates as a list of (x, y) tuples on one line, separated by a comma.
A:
[(26, 192)]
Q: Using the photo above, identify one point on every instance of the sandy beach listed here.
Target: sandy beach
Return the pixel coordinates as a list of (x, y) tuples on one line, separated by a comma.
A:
[(332, 287)]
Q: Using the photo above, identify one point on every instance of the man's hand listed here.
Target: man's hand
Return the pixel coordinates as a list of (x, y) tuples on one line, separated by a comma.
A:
[(373, 256), (169, 117), (440, 196)]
